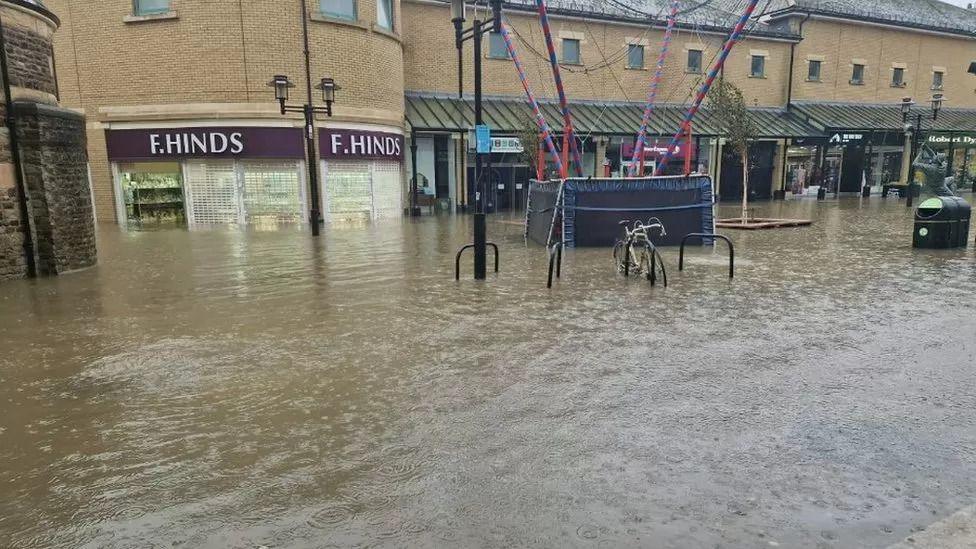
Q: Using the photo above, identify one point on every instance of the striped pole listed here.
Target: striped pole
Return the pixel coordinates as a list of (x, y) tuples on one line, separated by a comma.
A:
[(563, 103), (638, 157), (703, 91), (540, 120)]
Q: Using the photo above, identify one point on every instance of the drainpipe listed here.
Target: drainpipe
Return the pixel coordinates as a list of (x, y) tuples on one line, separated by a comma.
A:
[(789, 84), (11, 121)]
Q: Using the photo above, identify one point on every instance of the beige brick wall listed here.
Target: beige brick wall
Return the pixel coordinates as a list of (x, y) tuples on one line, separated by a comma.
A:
[(881, 48), (220, 52), (430, 59)]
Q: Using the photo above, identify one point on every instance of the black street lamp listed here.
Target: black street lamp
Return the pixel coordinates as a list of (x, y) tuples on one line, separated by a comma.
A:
[(328, 87), (917, 133), (476, 33)]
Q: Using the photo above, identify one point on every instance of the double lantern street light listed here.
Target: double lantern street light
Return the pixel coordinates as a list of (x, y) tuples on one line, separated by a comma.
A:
[(916, 132), (328, 87)]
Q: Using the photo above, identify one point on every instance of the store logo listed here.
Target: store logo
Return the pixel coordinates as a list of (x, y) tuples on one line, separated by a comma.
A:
[(360, 144), (193, 143), (839, 138)]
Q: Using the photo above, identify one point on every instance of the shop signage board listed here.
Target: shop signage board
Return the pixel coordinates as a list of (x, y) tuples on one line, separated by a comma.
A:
[(961, 140), (206, 142), (335, 143), (506, 145), (654, 148), (843, 138), (483, 138)]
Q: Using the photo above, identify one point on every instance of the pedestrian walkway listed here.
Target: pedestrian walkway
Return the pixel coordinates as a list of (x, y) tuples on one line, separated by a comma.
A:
[(955, 532)]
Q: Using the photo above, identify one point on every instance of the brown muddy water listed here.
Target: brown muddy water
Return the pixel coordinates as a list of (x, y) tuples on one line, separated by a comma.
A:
[(227, 389)]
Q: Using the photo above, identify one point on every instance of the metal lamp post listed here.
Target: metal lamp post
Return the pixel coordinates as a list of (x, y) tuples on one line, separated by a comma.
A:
[(328, 87), (917, 133), (476, 33)]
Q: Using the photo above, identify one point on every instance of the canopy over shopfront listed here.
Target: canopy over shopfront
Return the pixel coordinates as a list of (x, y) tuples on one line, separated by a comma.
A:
[(442, 113), (829, 117)]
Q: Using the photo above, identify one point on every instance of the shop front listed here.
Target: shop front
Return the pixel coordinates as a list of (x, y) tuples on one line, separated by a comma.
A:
[(200, 176), (362, 174), (960, 151)]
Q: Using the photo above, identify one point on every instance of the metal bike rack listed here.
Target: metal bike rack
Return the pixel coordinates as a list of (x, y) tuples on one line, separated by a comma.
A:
[(703, 236), (457, 258), (555, 260)]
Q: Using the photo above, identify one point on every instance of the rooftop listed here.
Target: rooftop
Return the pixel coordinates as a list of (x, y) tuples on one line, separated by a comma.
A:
[(920, 14), (703, 15)]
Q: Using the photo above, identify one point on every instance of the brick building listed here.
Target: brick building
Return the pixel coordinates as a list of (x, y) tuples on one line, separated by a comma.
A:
[(169, 86)]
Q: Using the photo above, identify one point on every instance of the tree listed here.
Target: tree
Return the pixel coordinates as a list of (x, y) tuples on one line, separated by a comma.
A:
[(528, 135), (728, 107)]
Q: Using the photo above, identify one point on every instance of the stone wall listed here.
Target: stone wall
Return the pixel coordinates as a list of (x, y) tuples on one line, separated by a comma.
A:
[(30, 59), (55, 166)]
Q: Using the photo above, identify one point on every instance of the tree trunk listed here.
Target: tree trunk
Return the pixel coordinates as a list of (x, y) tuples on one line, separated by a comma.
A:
[(745, 186)]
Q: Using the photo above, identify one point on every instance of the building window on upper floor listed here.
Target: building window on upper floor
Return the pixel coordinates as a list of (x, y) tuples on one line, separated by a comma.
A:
[(813, 70), (694, 61), (898, 77), (635, 56), (938, 80), (758, 67), (150, 7), (857, 75), (340, 9), (571, 51), (384, 14), (496, 46)]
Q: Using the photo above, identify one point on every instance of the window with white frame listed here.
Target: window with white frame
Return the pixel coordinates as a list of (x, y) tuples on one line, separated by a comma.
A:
[(384, 14), (571, 51), (814, 68), (758, 67), (694, 61), (898, 77), (340, 9), (635, 56), (938, 80), (150, 7)]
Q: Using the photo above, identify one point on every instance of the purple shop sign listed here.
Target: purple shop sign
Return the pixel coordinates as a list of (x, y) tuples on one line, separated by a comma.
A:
[(354, 144), (210, 142)]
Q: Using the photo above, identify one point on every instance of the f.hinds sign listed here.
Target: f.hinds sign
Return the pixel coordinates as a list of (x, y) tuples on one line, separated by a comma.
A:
[(171, 143), (354, 144)]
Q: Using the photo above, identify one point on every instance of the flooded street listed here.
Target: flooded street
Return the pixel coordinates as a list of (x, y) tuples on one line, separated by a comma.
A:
[(227, 389)]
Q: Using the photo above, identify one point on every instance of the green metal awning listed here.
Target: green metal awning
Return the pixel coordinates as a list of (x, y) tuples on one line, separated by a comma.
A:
[(879, 117), (442, 113)]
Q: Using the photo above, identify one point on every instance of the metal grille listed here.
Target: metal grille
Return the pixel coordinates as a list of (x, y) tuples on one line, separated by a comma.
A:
[(212, 197), (273, 192), (387, 190), (347, 190)]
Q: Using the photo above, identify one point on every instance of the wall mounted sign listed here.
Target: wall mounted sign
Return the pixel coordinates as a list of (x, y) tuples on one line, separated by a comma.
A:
[(841, 138), (341, 144), (506, 145), (211, 142), (653, 148)]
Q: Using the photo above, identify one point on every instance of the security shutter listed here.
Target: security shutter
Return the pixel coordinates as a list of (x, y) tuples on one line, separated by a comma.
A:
[(273, 192), (347, 190), (387, 190), (212, 193)]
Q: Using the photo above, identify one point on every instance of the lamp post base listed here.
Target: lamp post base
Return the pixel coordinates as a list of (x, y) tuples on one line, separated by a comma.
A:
[(480, 247)]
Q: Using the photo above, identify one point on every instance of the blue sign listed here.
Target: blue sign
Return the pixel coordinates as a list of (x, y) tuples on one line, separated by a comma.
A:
[(483, 137)]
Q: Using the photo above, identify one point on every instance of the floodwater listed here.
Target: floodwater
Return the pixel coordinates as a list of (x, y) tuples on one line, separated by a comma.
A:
[(226, 389)]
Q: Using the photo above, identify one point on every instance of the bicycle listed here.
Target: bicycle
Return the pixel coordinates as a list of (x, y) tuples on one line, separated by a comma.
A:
[(636, 253)]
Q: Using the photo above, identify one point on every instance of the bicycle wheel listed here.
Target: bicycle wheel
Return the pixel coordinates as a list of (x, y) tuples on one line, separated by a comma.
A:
[(643, 260), (618, 255)]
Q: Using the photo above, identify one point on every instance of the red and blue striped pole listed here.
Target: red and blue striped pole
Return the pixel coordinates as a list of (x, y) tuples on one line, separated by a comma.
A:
[(540, 120), (638, 157), (563, 103), (703, 91)]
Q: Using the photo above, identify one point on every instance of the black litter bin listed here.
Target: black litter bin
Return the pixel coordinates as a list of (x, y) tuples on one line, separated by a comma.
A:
[(964, 212), (936, 224)]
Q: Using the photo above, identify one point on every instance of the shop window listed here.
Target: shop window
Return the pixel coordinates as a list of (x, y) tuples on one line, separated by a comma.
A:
[(150, 7), (694, 61), (938, 78), (813, 71), (898, 78), (360, 191), (496, 46), (758, 67), (571, 51), (635, 56), (384, 14), (857, 75), (340, 9), (151, 193)]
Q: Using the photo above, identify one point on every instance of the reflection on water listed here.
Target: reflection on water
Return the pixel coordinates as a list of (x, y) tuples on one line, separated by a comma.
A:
[(220, 389)]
